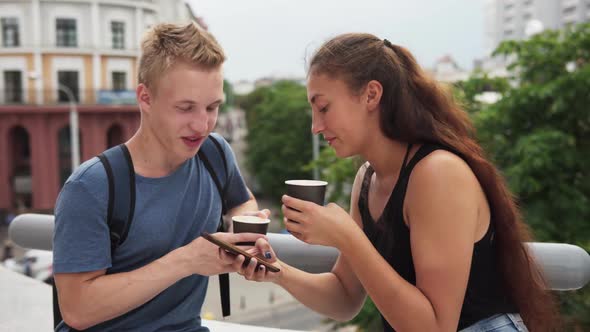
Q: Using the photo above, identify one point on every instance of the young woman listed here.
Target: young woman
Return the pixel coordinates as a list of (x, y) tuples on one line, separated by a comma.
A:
[(433, 235)]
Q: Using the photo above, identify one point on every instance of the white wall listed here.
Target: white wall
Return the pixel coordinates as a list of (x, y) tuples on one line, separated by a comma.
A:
[(14, 63), (50, 11)]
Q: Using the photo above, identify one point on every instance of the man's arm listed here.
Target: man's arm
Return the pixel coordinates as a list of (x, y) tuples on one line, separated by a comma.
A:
[(249, 207), (89, 298)]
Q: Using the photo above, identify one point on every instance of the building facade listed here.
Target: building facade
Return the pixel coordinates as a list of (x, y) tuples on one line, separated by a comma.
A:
[(509, 19), (55, 54), (518, 19)]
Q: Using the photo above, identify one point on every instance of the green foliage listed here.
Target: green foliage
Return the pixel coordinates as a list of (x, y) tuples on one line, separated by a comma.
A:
[(279, 137), (538, 134), (338, 172), (228, 90), (368, 320)]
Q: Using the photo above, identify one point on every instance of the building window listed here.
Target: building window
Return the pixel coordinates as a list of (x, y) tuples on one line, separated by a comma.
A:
[(66, 35), (118, 32), (569, 10), (10, 37), (69, 79), (119, 80), (13, 91)]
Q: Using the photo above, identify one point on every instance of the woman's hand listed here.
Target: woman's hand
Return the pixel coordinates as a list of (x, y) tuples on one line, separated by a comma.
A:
[(260, 273), (328, 225)]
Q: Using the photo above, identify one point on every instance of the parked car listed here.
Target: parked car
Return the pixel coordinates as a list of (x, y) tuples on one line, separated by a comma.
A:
[(37, 264)]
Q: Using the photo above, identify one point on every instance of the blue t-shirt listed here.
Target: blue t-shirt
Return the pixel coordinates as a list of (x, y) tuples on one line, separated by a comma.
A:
[(170, 212)]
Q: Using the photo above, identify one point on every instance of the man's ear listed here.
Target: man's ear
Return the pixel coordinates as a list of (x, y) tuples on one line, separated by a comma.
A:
[(373, 94), (144, 99)]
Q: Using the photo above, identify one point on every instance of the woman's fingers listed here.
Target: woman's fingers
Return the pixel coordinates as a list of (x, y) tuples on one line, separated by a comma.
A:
[(291, 214), (292, 226), (297, 204)]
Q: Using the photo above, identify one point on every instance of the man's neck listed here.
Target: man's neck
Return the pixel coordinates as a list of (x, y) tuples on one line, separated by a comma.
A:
[(150, 157)]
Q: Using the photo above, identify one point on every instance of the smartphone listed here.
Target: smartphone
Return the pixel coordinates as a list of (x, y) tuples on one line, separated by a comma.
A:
[(230, 248)]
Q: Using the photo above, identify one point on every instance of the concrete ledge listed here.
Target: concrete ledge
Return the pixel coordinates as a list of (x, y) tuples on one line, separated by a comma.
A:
[(565, 266)]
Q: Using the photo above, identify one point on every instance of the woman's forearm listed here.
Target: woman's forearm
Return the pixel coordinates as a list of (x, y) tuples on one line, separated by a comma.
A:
[(323, 293)]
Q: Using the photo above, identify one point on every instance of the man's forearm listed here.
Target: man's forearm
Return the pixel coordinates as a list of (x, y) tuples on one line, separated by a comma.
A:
[(109, 296), (249, 206)]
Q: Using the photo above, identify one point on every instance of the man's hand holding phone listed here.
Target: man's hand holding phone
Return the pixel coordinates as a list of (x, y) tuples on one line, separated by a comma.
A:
[(257, 263)]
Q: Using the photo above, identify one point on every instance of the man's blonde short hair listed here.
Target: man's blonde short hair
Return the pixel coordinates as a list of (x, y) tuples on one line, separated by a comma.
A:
[(165, 43)]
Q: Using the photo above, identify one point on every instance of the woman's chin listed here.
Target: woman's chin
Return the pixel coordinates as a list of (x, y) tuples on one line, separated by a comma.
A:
[(343, 153)]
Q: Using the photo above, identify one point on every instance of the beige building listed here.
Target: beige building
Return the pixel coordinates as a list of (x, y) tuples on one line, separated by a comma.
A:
[(55, 54), (89, 46)]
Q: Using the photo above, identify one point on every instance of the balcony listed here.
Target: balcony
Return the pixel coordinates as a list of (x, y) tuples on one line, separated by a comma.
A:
[(85, 48)]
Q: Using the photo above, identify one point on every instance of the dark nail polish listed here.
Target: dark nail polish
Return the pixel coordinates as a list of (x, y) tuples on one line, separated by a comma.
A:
[(267, 255)]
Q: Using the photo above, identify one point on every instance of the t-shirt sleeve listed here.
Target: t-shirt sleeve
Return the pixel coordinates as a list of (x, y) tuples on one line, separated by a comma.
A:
[(237, 192), (81, 241)]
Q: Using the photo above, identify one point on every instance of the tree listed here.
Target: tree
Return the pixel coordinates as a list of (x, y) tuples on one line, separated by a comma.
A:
[(279, 135), (538, 134), (229, 101)]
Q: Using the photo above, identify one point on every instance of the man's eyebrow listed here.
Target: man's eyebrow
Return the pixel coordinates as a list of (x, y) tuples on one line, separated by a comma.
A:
[(186, 101), (218, 101)]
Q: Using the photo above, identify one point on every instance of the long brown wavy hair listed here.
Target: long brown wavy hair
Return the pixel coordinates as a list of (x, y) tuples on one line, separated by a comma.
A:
[(415, 109)]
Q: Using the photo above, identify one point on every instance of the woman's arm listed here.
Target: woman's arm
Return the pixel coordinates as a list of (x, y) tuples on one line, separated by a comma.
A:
[(337, 294)]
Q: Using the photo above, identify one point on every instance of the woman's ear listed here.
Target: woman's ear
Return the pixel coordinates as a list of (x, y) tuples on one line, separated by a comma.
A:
[(373, 94)]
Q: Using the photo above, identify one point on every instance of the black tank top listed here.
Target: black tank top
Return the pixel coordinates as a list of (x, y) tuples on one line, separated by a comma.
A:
[(485, 295)]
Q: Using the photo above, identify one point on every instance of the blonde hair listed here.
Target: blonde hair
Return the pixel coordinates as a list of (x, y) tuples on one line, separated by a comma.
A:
[(165, 43)]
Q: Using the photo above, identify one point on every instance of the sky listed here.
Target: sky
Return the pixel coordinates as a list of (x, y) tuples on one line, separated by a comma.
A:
[(273, 38)]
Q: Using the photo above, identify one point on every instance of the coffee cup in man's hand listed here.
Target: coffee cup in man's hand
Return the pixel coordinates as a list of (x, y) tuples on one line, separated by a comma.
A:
[(249, 224)]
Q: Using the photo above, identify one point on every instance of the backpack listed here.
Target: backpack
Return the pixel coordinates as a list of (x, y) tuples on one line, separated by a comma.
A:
[(121, 203)]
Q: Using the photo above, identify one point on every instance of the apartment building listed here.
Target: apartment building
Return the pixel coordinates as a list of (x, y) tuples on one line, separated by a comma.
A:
[(55, 54)]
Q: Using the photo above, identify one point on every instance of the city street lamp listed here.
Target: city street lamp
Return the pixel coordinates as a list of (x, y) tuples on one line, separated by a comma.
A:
[(74, 137)]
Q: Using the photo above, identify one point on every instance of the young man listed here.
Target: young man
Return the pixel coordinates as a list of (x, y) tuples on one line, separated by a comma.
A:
[(157, 279)]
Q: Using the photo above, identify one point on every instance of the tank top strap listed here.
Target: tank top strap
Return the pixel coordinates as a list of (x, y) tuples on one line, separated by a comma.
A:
[(404, 177), (363, 198)]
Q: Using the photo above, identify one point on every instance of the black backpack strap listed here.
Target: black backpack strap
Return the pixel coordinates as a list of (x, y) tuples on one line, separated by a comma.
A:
[(121, 205), (56, 312), (211, 152), (121, 176), (208, 149)]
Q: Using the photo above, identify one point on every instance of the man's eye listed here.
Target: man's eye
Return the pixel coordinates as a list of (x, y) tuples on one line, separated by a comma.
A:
[(185, 109), (323, 109), (212, 109)]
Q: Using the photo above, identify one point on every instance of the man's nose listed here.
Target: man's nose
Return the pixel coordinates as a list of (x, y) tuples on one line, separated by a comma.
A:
[(199, 122)]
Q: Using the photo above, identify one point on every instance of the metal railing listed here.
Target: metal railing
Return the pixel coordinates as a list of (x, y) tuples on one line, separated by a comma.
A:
[(564, 266)]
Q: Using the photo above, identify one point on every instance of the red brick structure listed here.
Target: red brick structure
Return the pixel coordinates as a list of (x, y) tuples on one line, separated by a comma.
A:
[(35, 150)]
